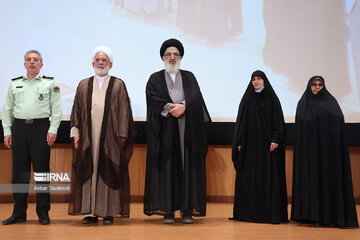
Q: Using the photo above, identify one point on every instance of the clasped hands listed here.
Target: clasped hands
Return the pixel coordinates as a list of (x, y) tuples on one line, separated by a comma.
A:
[(177, 110)]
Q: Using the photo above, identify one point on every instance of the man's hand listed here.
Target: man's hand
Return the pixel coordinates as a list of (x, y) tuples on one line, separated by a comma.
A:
[(121, 141), (178, 110), (8, 141), (273, 146), (50, 139), (76, 143)]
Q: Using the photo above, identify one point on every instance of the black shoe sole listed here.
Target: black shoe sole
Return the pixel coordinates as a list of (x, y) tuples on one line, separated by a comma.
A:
[(44, 223), (93, 221), (16, 221)]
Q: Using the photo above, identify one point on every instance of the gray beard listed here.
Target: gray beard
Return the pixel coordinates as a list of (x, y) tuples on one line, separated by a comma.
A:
[(172, 68), (102, 71)]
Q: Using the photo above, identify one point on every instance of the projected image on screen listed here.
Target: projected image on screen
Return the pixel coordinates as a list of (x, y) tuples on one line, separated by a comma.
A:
[(224, 41)]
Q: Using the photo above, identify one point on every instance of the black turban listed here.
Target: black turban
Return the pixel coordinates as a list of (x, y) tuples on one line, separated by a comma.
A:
[(172, 42)]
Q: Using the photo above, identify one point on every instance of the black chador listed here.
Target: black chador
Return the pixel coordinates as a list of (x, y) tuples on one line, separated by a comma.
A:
[(322, 183), (260, 187)]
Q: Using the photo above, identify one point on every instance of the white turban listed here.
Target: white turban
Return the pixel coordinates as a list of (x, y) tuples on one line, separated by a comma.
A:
[(104, 50)]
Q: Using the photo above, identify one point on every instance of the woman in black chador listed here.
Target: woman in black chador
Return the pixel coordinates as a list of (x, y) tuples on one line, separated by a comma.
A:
[(322, 184), (258, 155)]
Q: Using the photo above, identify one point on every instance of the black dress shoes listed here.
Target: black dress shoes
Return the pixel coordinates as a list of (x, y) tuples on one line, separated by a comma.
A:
[(89, 220), (14, 219), (44, 220), (108, 220), (169, 219), (186, 218)]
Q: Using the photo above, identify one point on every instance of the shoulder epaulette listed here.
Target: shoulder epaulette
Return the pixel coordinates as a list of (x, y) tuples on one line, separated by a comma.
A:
[(47, 77), (17, 78)]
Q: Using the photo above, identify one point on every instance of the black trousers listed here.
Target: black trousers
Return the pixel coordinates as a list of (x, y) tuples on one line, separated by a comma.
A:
[(29, 145)]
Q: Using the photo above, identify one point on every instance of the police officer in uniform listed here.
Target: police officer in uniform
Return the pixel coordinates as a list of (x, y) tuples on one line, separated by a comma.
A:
[(31, 100)]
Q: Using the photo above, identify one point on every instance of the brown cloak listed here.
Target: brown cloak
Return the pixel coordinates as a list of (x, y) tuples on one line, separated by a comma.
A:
[(112, 185)]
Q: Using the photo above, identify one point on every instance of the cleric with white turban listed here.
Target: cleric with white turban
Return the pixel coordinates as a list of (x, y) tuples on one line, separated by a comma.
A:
[(102, 131), (105, 50)]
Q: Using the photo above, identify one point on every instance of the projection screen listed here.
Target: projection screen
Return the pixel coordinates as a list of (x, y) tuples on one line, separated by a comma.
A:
[(224, 41)]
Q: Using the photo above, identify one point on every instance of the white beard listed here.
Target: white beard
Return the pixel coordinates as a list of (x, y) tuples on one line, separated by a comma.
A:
[(172, 68), (102, 71)]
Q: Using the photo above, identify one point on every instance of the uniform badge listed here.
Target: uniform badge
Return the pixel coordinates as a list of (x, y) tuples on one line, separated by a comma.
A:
[(41, 97), (56, 89)]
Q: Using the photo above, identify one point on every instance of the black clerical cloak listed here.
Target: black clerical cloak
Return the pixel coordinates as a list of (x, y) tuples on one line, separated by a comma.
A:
[(169, 187), (260, 185), (322, 184)]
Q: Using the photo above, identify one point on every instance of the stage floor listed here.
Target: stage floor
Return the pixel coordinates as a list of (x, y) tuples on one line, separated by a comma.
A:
[(139, 226)]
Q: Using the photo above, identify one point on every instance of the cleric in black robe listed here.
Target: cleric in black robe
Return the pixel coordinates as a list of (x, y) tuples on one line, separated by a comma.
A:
[(176, 140), (258, 155), (322, 184)]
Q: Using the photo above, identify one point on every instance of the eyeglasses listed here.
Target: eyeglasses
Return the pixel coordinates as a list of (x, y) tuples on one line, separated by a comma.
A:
[(173, 54), (317, 84)]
